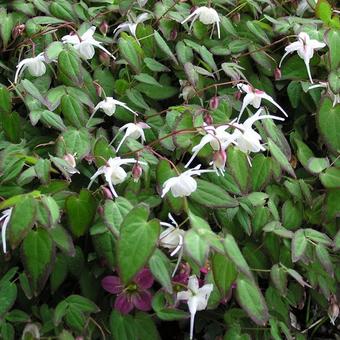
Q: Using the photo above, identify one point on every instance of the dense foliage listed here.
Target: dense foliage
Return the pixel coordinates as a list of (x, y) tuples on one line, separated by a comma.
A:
[(162, 158)]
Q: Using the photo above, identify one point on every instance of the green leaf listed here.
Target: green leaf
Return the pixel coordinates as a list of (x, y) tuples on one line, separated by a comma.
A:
[(155, 66), (328, 120), (59, 273), (164, 47), (131, 51), (62, 239), (51, 119), (5, 100), (280, 157), (239, 167), (333, 42), (104, 243), (8, 295), (196, 247), (334, 81), (234, 253), (74, 141), (37, 255), (224, 273), (323, 10), (294, 93), (147, 79), (80, 212), (279, 277), (292, 214), (11, 126), (136, 243), (122, 326), (324, 258), (145, 327), (251, 300), (69, 67), (330, 178), (299, 245), (212, 196), (82, 304), (317, 165), (160, 267), (6, 26), (34, 92), (255, 28), (53, 50), (73, 111), (22, 219), (115, 212), (63, 10)]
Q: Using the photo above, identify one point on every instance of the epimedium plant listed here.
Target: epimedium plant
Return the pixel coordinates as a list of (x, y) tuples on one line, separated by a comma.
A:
[(169, 169)]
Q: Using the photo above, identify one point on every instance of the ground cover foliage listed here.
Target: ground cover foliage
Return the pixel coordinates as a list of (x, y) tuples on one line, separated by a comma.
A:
[(169, 169)]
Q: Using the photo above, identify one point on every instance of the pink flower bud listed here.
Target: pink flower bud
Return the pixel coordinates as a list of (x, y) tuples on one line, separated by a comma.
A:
[(214, 102), (98, 88), (208, 119), (89, 158), (236, 18), (219, 158), (100, 210), (104, 58), (238, 95), (277, 74), (104, 27), (173, 34), (70, 160), (18, 31), (333, 312), (107, 193), (136, 172)]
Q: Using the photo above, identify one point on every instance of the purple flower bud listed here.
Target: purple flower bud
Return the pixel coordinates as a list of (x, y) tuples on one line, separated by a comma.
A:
[(238, 95), (107, 193), (236, 18), (208, 119), (98, 88), (104, 58), (104, 27), (214, 102), (18, 31), (137, 171), (277, 74), (173, 34)]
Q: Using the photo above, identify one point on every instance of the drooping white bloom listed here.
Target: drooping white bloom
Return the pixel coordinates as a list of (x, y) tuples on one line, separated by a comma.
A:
[(197, 299), (85, 44), (36, 66), (172, 238), (248, 140), (218, 138), (322, 84), (134, 131), (254, 97), (109, 105), (130, 26), (6, 216), (207, 16), (113, 172), (184, 184), (304, 47)]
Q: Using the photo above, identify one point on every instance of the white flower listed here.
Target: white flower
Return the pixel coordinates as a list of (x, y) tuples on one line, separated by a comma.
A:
[(248, 140), (6, 216), (85, 44), (218, 138), (197, 299), (36, 66), (254, 97), (109, 105), (184, 184), (172, 238), (207, 16), (335, 97), (304, 47), (113, 172), (134, 131), (130, 26)]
